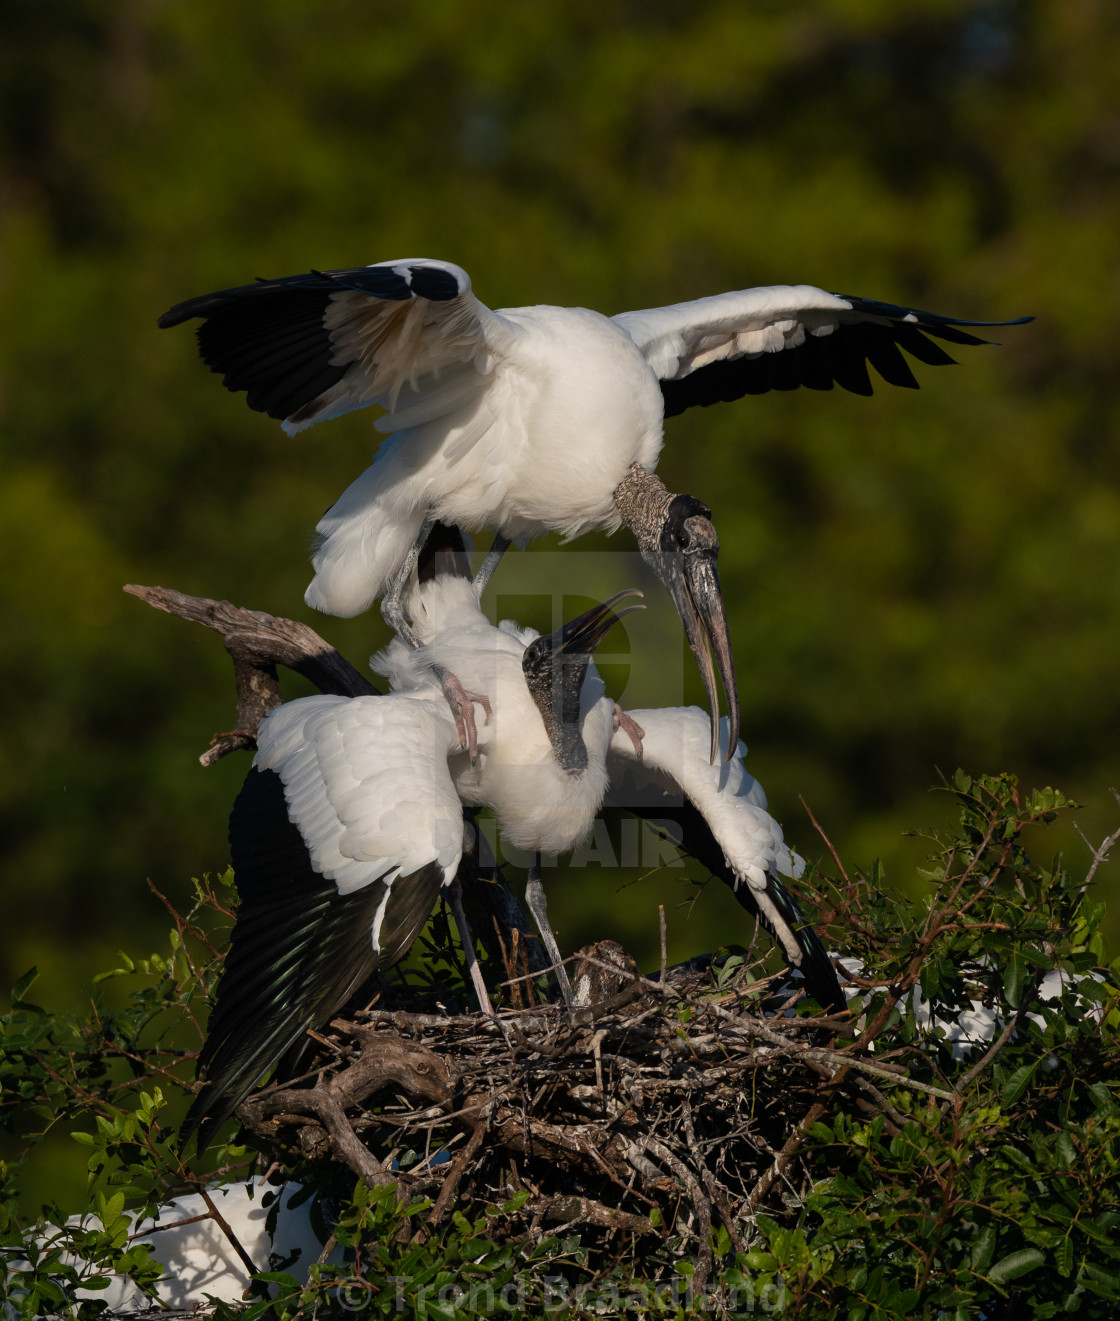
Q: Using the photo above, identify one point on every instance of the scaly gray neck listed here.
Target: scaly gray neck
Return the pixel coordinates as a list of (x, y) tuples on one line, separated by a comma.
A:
[(643, 501)]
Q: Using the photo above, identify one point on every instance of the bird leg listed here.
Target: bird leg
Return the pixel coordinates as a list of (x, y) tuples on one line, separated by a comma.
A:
[(455, 901), (634, 731), (461, 701), (538, 906), (490, 563), (392, 609)]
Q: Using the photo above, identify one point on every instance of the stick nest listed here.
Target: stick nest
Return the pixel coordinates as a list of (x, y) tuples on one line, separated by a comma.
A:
[(650, 1111)]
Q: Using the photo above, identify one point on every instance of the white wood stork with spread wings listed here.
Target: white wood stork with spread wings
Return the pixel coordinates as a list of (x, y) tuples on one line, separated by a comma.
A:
[(532, 419), (349, 824)]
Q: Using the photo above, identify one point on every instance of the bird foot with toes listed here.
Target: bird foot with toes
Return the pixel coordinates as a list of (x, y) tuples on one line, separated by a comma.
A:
[(633, 730), (461, 701)]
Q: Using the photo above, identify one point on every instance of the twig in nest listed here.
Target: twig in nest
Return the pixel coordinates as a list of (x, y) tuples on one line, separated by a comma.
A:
[(571, 1210), (451, 1183), (664, 956)]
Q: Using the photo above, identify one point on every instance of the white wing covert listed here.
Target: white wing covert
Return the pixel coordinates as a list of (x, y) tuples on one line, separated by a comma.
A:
[(675, 757), (683, 337), (367, 784), (781, 337)]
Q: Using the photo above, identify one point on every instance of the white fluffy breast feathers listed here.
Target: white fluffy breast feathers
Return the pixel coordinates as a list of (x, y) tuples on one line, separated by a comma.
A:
[(367, 784)]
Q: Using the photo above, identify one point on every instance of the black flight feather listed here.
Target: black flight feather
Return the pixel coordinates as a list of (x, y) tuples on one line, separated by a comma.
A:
[(299, 949), (839, 358), (268, 338)]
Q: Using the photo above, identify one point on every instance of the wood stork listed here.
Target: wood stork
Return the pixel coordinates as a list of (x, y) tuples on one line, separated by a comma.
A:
[(200, 1263), (533, 419), (721, 812), (349, 823)]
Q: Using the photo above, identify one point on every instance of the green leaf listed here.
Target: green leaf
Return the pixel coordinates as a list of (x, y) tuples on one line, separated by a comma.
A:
[(1017, 1084), (1102, 1098), (1066, 1150), (759, 1261), (1016, 1264), (983, 1248), (20, 989), (1101, 1282), (1013, 978), (280, 1277)]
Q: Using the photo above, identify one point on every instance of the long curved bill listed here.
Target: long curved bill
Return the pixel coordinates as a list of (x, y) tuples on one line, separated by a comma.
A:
[(584, 633), (692, 580)]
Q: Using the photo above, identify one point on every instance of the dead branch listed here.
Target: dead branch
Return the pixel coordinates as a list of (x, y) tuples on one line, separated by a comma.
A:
[(603, 1120), (258, 642)]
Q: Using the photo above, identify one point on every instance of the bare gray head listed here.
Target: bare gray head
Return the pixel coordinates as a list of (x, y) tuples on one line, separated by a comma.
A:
[(677, 540)]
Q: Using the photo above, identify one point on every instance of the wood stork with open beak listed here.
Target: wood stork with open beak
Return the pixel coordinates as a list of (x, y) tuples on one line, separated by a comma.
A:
[(721, 813), (532, 419), (349, 824)]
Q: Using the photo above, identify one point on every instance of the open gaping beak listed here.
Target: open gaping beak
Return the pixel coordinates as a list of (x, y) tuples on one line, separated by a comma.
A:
[(580, 636), (686, 564)]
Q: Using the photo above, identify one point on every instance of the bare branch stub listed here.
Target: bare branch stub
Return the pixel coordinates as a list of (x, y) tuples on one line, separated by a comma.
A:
[(257, 643)]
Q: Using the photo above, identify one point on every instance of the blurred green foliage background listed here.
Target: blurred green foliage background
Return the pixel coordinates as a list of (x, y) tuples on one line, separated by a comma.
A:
[(915, 581)]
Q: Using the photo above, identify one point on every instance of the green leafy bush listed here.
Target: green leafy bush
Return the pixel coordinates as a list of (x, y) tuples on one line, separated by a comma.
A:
[(957, 1179)]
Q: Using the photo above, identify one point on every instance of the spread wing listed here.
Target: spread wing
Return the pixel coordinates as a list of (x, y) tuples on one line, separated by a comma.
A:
[(344, 832), (314, 346), (721, 810), (780, 337)]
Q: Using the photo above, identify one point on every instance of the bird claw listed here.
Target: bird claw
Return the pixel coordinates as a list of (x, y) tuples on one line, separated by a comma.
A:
[(461, 701), (634, 731), (234, 733)]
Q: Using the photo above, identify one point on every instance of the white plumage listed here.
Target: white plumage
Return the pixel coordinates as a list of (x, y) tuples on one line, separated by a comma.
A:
[(539, 806), (200, 1263), (366, 783), (684, 337), (721, 809), (524, 420), (731, 800), (535, 434)]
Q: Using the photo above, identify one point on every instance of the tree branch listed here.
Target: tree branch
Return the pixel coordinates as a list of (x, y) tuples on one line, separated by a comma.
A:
[(258, 642)]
